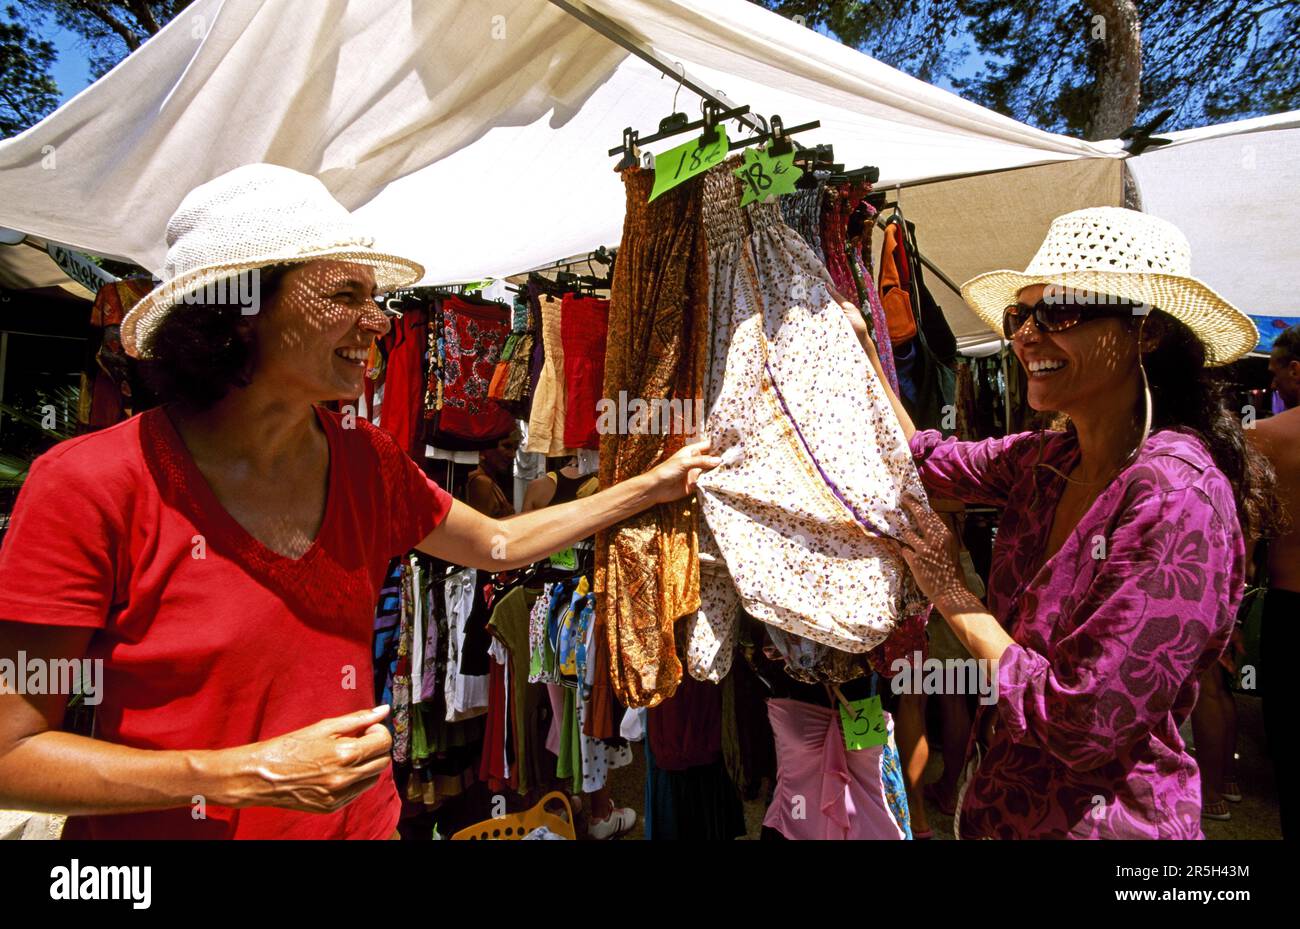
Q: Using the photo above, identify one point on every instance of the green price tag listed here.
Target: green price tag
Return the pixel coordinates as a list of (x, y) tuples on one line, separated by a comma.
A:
[(864, 724), (566, 560), (766, 175), (678, 165)]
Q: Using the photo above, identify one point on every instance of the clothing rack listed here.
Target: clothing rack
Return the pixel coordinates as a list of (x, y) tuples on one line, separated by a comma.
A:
[(566, 263)]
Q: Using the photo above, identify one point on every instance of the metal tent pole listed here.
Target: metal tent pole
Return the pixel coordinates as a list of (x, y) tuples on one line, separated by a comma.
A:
[(615, 34)]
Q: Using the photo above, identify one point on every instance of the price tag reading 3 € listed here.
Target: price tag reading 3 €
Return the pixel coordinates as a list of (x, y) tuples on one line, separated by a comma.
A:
[(864, 725)]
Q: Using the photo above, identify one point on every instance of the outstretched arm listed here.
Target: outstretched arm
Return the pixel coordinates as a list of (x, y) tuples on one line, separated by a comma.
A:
[(469, 538)]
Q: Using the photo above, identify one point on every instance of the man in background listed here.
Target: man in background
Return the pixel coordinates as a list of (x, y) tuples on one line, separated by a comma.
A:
[(1278, 437)]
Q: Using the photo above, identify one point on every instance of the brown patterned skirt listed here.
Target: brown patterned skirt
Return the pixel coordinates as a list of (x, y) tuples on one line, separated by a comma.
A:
[(647, 568)]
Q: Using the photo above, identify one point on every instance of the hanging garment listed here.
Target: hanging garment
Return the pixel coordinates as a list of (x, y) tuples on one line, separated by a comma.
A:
[(689, 794), (834, 223), (599, 756), (404, 380), (510, 383), (401, 715), (541, 658), (515, 396), (894, 294), (802, 517), (497, 386), (110, 388), (965, 402), (826, 791), (814, 663), (711, 630), (465, 693), (528, 466), (647, 575), (584, 328), (472, 338), (538, 358), (802, 211), (546, 422), (869, 297), (925, 386), (510, 625)]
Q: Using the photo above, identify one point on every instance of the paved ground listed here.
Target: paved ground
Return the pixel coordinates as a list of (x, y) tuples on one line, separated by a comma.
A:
[(1256, 817)]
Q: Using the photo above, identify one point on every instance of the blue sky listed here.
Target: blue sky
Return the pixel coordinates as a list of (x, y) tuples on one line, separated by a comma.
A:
[(71, 69)]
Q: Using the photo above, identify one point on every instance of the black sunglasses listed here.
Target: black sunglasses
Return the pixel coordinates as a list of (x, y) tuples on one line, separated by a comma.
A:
[(1059, 315)]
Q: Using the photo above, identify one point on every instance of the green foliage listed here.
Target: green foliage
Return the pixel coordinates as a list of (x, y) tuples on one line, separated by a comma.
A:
[(27, 91), (1208, 60), (110, 31), (31, 437)]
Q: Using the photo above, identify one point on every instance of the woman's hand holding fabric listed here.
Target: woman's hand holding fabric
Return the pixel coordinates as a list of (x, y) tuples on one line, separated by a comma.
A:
[(675, 477), (932, 554)]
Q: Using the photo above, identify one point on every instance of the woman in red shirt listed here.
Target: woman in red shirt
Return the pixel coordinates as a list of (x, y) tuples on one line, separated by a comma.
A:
[(222, 554)]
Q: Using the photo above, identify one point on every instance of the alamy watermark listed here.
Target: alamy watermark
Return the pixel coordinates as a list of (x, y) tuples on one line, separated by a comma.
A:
[(1078, 296), (949, 676), (240, 288), (657, 416), (76, 881), (70, 676)]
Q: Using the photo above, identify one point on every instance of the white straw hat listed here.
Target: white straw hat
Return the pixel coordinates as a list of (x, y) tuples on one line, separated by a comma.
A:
[(1126, 254), (248, 218)]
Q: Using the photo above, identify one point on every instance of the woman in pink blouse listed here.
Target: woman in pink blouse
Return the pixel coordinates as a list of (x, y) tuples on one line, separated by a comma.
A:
[(1118, 563)]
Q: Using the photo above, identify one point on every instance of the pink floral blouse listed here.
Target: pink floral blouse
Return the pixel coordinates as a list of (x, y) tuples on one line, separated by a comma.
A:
[(1110, 634)]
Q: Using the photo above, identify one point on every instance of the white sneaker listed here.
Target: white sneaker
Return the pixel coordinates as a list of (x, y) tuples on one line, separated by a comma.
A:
[(619, 822)]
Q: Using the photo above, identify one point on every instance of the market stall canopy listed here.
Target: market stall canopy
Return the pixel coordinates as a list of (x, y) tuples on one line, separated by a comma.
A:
[(1233, 190), (471, 136), (26, 265)]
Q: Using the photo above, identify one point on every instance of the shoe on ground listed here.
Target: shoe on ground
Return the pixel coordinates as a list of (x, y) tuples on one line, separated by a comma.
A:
[(619, 822), (1216, 811)]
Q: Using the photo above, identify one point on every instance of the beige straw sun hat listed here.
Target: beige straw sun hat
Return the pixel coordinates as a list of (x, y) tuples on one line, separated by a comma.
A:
[(253, 217), (1126, 254)]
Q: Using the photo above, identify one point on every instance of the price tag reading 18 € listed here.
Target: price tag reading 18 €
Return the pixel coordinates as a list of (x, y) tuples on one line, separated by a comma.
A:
[(766, 175), (864, 724), (678, 165)]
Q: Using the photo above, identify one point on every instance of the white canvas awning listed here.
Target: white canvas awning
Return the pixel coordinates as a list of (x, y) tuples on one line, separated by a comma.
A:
[(1232, 189), (471, 136)]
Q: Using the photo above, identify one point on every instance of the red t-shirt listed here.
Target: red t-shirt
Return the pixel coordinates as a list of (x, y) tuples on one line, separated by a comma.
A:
[(233, 647)]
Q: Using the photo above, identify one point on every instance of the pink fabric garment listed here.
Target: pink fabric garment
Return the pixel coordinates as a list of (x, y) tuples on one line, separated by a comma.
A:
[(823, 790)]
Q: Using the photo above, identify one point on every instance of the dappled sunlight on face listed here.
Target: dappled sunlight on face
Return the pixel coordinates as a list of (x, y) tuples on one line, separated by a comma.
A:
[(313, 336), (1099, 357)]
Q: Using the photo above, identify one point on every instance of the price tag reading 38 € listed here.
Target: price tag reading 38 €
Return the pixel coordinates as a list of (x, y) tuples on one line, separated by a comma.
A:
[(864, 724), (766, 175), (678, 165)]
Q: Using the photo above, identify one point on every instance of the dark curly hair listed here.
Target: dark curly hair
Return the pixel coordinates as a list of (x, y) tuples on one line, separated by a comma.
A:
[(1188, 397), (202, 349)]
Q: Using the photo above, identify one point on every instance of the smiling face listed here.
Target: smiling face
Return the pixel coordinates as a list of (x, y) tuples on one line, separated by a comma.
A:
[(1077, 368), (314, 335)]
